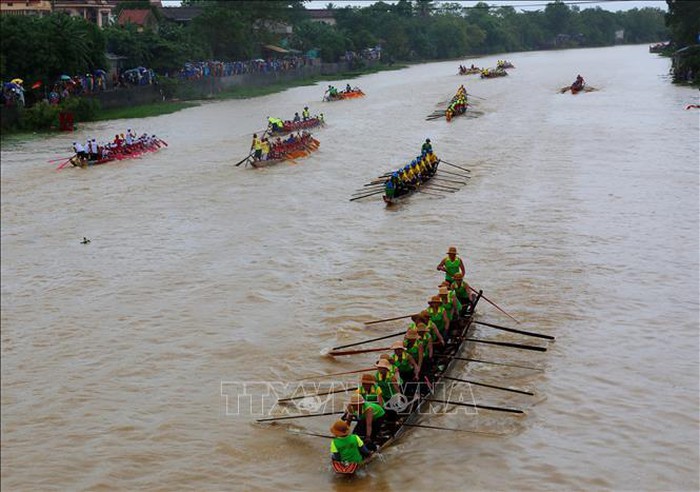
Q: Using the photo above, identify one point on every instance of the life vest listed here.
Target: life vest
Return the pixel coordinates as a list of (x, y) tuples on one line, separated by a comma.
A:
[(348, 448)]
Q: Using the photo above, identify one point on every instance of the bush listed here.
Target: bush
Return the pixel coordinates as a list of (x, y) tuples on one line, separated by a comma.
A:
[(41, 116), (83, 108)]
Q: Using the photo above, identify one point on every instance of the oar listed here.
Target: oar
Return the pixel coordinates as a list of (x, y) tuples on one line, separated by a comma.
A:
[(423, 426), (387, 319), (454, 165), (495, 305), (508, 344), (245, 159), (402, 332), (428, 193), (301, 397), (472, 95), (163, 142), (62, 158), (64, 164), (270, 419), (513, 330), (334, 353), (356, 371), (474, 405), (294, 431), (442, 187), (365, 196), (486, 386), (456, 174), (435, 178), (374, 183), (479, 361), (374, 188)]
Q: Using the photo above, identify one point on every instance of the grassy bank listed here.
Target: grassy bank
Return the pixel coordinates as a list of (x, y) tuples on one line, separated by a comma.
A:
[(44, 118), (143, 111)]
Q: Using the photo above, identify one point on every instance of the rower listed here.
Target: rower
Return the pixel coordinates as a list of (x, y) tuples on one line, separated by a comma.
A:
[(265, 145), (435, 334), (463, 292), (348, 88), (449, 302), (426, 147), (407, 366), (426, 341), (347, 447), (369, 389), (438, 315), (369, 417), (256, 147), (275, 124), (414, 348), (451, 264), (79, 151), (297, 118), (386, 377), (305, 113)]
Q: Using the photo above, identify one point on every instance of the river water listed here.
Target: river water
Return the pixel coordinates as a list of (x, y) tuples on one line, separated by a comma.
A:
[(580, 219)]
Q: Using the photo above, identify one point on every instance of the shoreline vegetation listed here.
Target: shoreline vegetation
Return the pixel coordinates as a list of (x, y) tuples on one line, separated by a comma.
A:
[(173, 105)]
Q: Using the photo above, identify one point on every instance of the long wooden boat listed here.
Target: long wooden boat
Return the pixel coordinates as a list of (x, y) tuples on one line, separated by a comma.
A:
[(391, 432), (470, 71), (403, 193), (128, 153), (292, 126), (493, 73), (302, 151), (344, 95), (505, 64)]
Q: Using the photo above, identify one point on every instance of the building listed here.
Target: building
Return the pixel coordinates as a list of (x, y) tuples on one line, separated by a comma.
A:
[(25, 7), (181, 15), (143, 19), (324, 16), (96, 11)]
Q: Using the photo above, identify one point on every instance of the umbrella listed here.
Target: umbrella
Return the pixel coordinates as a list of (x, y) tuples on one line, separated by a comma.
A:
[(36, 84), (64, 77), (17, 81), (99, 71)]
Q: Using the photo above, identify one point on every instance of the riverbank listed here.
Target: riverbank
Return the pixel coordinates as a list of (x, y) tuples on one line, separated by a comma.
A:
[(143, 102)]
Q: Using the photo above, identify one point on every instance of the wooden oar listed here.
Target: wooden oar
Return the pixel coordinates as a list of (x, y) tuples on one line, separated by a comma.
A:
[(454, 165), (387, 319), (435, 178), (428, 193), (455, 174), (365, 196), (508, 344), (374, 188), (270, 419), (301, 397), (423, 426), (402, 332), (475, 405), (480, 361), (442, 187), (245, 159), (475, 383), (64, 164), (62, 158), (477, 97), (356, 371), (494, 305), (513, 330), (294, 431), (374, 183), (334, 353)]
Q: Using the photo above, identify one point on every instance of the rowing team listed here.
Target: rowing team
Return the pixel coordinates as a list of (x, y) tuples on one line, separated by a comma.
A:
[(458, 104), (402, 372), (279, 125), (263, 149), (122, 144), (411, 175)]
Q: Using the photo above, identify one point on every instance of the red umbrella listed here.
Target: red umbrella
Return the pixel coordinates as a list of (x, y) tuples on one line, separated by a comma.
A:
[(36, 84)]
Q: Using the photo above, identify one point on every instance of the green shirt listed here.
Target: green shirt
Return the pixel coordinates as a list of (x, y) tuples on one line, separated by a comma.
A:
[(386, 385), (451, 267), (377, 411), (436, 316), (348, 447)]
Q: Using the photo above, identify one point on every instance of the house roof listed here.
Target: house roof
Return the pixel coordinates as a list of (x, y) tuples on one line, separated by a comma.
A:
[(320, 13), (133, 16), (181, 14)]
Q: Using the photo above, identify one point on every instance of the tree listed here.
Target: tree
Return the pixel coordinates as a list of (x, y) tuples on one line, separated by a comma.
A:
[(683, 18)]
